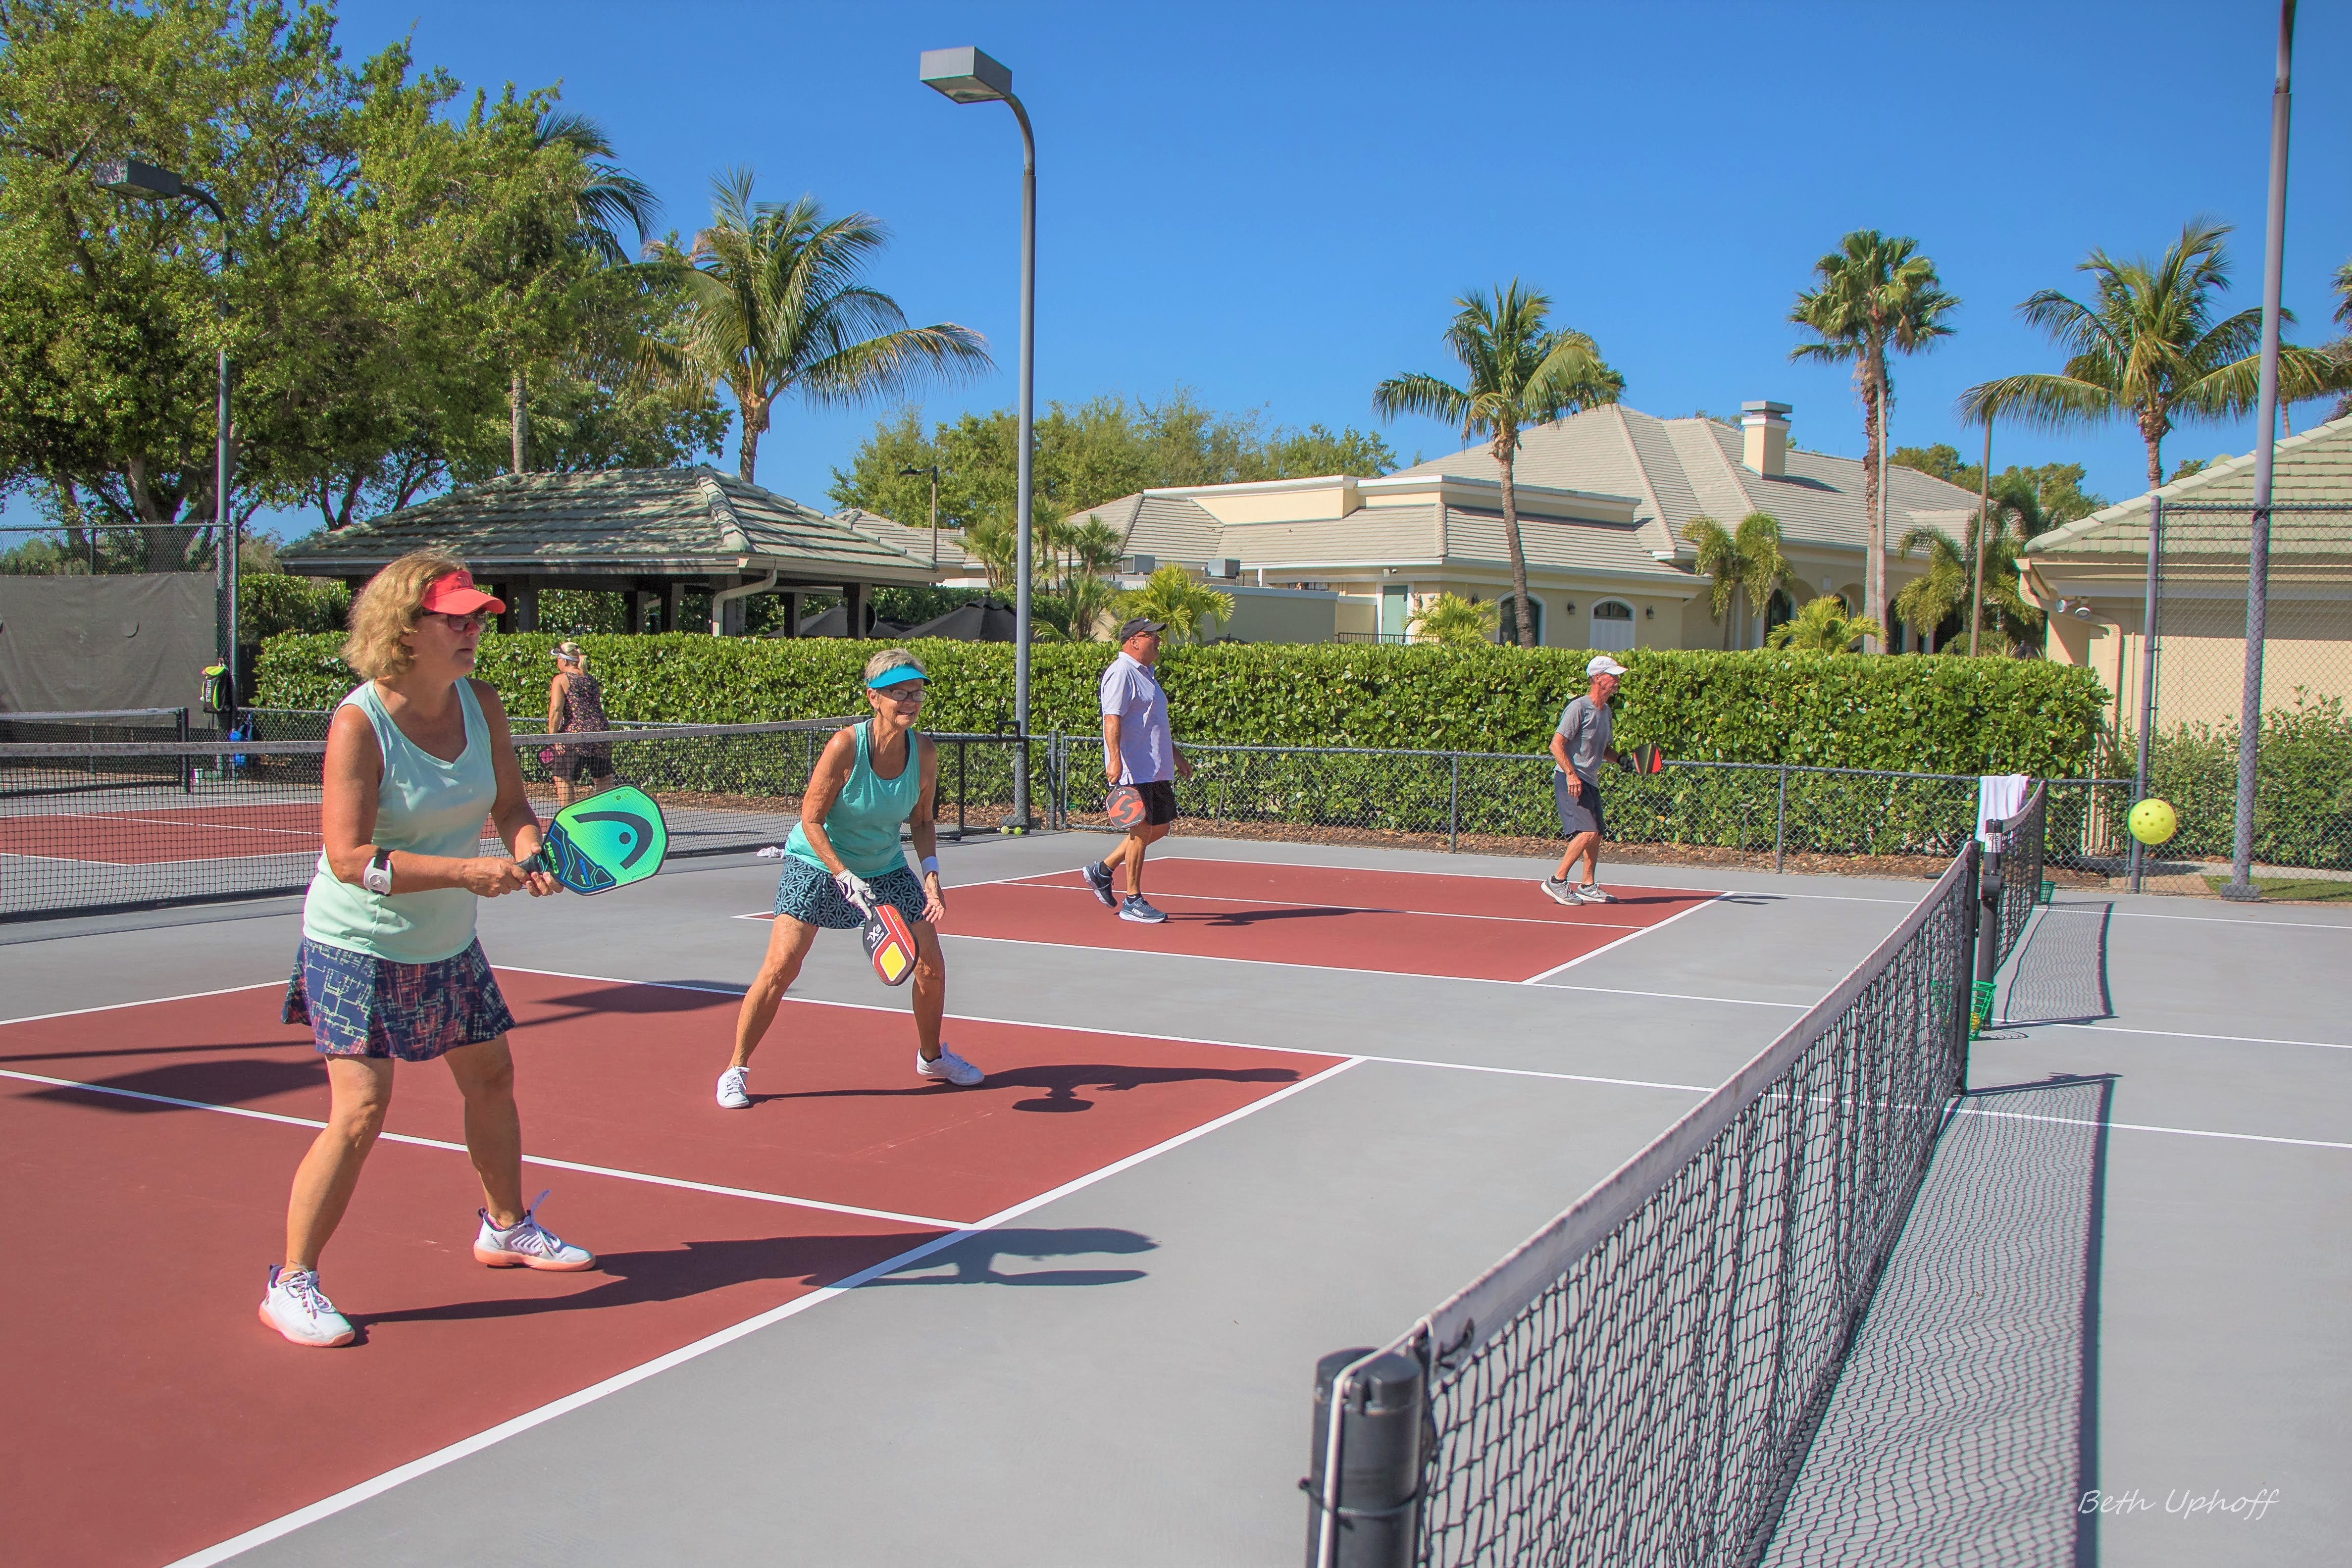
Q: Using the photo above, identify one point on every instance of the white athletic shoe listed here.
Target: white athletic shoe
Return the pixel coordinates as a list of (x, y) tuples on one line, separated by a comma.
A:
[(949, 1067), (527, 1244), (734, 1091), (1594, 892), (293, 1304), (1560, 889)]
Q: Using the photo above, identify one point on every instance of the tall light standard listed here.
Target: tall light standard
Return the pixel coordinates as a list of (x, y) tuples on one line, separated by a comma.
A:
[(968, 76), (129, 177), (933, 470)]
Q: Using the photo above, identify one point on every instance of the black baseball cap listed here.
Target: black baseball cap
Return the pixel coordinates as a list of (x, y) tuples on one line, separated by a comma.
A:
[(1141, 623)]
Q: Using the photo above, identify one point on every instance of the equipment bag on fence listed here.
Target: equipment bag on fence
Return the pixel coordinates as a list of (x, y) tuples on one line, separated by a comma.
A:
[(212, 689)]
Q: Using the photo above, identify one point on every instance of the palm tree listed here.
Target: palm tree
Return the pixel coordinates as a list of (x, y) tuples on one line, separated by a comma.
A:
[(1823, 626), (2340, 350), (774, 304), (1456, 621), (602, 197), (1874, 293), (1942, 592), (2147, 346), (1747, 565), (1178, 602), (1521, 372)]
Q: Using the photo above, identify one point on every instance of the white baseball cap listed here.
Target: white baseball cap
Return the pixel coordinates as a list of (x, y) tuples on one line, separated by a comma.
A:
[(1603, 664)]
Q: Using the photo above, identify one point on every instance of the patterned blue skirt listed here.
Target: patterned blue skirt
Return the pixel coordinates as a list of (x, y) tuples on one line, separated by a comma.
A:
[(360, 1005), (807, 894)]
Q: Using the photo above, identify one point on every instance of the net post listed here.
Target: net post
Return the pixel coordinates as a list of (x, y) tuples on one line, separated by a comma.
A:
[(1987, 916), (1364, 1488)]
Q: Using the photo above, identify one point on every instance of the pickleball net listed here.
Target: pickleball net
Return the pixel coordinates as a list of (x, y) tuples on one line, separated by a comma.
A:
[(2023, 843), (90, 826), (1638, 1380)]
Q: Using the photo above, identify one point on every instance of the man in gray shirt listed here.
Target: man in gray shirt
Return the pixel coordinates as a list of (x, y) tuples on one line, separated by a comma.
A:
[(1580, 745)]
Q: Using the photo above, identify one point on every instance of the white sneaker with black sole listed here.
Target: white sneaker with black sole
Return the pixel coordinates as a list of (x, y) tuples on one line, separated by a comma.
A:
[(1594, 892), (1098, 877), (734, 1089), (948, 1068), (1560, 890), (293, 1304), (1142, 913)]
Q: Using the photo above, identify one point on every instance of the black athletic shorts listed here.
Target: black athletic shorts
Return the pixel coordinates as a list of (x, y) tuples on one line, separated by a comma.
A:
[(588, 769), (1159, 802), (1580, 812)]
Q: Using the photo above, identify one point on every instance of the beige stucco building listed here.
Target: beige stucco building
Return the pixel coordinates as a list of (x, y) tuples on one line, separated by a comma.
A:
[(1604, 498), (2091, 576)]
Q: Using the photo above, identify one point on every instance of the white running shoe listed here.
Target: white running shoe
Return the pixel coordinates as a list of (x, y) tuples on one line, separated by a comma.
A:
[(1142, 913), (293, 1304), (734, 1091), (1594, 892), (527, 1244), (949, 1067), (1560, 889), (1098, 877)]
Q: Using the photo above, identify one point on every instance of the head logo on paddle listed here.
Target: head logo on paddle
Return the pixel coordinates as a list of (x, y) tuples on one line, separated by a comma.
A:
[(610, 840)]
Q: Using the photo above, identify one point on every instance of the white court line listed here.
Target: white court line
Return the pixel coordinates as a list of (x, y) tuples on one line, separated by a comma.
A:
[(1385, 974), (2225, 920), (2141, 1127), (1349, 908), (1637, 932), (378, 1484), (926, 1221), (143, 1002), (2180, 1034), (1490, 876)]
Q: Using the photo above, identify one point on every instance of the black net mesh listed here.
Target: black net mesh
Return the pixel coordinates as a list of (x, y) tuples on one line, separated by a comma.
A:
[(2020, 868), (1649, 1384)]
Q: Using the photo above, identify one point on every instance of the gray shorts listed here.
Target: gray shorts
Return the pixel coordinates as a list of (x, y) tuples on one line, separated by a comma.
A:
[(1580, 812)]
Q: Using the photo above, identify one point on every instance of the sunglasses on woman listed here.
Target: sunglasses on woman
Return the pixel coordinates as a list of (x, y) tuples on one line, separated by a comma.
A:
[(903, 693), (475, 622)]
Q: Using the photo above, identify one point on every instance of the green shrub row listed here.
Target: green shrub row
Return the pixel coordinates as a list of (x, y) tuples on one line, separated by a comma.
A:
[(1940, 715), (2303, 787)]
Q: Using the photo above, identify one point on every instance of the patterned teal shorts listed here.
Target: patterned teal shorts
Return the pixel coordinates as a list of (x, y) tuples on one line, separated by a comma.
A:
[(807, 894), (360, 1005)]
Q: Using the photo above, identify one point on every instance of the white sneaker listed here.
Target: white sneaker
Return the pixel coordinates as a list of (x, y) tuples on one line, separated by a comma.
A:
[(527, 1244), (1594, 892), (293, 1304), (734, 1091), (951, 1067), (1560, 889)]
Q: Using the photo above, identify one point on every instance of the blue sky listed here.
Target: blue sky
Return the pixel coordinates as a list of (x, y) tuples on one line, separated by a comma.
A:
[(1275, 204)]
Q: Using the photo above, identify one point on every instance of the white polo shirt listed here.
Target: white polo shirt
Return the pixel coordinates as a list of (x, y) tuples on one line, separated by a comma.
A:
[(1131, 690)]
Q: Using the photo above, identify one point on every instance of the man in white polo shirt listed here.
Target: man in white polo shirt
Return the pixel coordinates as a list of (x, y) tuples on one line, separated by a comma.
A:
[(1138, 750)]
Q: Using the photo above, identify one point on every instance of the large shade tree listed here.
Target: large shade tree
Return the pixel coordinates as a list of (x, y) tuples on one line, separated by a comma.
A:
[(776, 303), (2150, 346), (1872, 295), (1519, 372)]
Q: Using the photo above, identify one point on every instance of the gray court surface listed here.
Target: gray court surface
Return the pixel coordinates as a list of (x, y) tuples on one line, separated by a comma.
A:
[(2128, 1271)]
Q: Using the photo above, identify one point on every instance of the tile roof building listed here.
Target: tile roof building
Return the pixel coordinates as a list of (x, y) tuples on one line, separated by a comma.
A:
[(651, 533), (1602, 499)]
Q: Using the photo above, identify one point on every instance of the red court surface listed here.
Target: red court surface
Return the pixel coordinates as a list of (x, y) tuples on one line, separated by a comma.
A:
[(1402, 923), (165, 833), (151, 1416)]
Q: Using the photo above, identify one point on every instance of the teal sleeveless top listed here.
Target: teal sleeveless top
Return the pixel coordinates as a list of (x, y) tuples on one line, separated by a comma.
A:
[(865, 820), (426, 807)]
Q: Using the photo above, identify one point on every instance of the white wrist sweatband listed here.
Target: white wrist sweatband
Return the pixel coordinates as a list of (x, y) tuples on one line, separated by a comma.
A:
[(931, 865), (377, 877)]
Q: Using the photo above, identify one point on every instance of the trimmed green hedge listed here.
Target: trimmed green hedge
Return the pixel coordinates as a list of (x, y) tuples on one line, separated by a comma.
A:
[(1940, 714)]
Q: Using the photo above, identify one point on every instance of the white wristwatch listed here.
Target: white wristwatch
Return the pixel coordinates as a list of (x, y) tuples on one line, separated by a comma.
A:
[(377, 877)]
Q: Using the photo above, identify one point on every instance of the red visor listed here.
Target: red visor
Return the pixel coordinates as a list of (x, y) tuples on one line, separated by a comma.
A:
[(456, 595)]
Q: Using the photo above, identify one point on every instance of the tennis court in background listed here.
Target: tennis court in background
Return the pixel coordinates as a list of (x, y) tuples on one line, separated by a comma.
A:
[(1071, 1316)]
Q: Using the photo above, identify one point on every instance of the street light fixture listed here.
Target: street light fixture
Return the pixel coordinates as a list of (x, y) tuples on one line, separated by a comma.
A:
[(968, 76), (933, 470), (146, 183)]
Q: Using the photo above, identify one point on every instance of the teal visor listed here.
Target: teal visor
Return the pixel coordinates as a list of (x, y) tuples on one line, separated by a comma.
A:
[(897, 674)]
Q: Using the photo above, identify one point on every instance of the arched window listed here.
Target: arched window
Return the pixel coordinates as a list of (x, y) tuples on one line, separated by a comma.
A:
[(1507, 623), (1612, 625)]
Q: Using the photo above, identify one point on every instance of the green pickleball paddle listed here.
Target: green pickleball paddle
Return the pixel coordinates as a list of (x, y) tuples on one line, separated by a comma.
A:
[(609, 839)]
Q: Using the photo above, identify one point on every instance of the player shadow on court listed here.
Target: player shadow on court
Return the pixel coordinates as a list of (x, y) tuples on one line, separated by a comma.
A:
[(1061, 1083), (233, 1082), (1964, 1425), (697, 1267), (297, 1037)]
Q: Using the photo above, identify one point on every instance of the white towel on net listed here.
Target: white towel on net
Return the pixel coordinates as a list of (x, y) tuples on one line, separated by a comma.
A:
[(1999, 797)]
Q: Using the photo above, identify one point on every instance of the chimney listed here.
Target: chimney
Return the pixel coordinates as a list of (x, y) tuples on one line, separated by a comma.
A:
[(1765, 426)]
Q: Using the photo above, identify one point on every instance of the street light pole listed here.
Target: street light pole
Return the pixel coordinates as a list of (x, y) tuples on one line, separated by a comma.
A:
[(934, 471), (129, 177), (1984, 540), (968, 76)]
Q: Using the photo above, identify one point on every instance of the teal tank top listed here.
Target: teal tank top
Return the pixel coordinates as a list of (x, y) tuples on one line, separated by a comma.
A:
[(865, 820), (426, 807)]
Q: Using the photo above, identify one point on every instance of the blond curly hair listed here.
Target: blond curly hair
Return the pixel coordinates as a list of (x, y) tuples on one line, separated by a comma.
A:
[(388, 608)]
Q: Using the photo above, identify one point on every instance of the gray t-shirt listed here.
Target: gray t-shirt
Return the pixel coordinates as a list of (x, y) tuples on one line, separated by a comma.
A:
[(1587, 727)]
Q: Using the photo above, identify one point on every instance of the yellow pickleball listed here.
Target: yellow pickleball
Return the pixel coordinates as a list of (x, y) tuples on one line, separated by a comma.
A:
[(2154, 822)]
